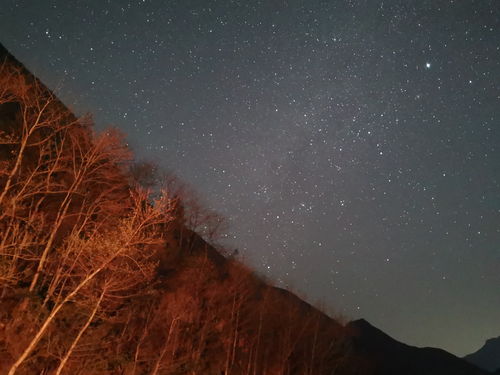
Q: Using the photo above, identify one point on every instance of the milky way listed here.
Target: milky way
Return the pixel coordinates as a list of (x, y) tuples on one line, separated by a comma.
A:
[(352, 145)]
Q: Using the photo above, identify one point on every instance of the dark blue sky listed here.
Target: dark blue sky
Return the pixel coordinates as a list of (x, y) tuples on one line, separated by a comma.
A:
[(353, 145)]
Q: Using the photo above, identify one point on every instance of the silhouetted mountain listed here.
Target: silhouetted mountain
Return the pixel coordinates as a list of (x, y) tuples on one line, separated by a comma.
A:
[(488, 357), (386, 356)]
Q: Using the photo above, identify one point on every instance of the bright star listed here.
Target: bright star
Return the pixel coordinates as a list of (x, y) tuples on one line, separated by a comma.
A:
[(428, 65)]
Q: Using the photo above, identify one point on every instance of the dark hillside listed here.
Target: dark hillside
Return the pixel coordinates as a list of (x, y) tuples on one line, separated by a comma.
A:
[(387, 356)]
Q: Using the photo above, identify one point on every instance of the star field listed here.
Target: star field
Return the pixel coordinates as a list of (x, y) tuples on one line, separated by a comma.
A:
[(352, 145)]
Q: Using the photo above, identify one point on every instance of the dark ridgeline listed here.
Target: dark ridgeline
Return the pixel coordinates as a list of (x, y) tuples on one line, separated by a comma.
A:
[(6, 57), (388, 356), (96, 279), (488, 356)]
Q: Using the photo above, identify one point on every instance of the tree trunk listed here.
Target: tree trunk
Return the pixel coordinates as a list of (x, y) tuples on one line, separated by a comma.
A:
[(82, 331)]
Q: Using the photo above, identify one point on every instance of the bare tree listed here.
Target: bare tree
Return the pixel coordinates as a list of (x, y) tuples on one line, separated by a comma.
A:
[(191, 211), (72, 229), (119, 259)]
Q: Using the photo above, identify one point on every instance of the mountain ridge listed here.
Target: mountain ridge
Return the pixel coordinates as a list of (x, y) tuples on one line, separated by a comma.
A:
[(488, 356), (394, 357)]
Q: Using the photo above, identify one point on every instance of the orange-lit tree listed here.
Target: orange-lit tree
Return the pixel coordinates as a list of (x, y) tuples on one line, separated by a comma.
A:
[(73, 233)]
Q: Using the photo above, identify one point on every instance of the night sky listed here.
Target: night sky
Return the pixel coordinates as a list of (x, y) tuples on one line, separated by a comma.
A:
[(354, 146)]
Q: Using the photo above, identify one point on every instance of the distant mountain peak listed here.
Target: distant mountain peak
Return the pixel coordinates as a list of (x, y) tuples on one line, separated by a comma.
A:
[(366, 331), (361, 322), (394, 357), (493, 340), (488, 356)]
